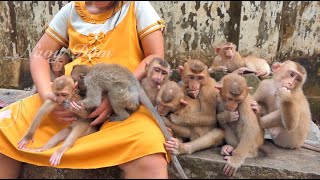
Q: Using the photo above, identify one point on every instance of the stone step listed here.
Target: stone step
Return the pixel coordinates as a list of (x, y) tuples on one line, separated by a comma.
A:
[(206, 164)]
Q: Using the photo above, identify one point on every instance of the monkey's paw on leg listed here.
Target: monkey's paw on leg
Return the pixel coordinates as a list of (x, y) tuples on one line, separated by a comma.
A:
[(226, 150)]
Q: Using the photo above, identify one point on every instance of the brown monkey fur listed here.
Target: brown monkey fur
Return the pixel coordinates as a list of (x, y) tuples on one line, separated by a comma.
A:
[(229, 60), (125, 95), (243, 136), (198, 84), (171, 98), (158, 71), (288, 115), (259, 66), (64, 89)]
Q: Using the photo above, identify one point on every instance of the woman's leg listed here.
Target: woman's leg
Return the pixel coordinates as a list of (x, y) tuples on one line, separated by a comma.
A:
[(9, 168), (152, 166)]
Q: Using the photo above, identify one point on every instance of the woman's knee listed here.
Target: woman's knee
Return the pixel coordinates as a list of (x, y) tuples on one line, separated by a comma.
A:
[(10, 168), (149, 163)]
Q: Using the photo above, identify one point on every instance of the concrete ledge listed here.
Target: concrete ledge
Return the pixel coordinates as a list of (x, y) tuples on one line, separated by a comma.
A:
[(207, 164)]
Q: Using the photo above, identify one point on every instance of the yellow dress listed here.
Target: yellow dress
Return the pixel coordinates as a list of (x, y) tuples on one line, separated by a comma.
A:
[(116, 142)]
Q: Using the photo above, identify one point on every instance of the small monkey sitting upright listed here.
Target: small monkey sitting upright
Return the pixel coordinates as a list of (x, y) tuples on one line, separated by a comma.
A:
[(287, 114), (158, 72), (243, 134), (64, 89)]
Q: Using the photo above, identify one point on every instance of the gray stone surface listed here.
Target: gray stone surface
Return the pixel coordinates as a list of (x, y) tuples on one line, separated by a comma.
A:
[(207, 164)]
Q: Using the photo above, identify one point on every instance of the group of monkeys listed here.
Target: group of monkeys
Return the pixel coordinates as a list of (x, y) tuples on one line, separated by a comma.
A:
[(199, 113)]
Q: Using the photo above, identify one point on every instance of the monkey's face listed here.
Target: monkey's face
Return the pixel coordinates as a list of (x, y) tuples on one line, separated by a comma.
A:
[(231, 103), (63, 95), (193, 84), (159, 75), (287, 75), (228, 52)]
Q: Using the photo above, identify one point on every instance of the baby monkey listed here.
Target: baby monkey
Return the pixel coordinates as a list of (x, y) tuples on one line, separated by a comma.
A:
[(64, 89)]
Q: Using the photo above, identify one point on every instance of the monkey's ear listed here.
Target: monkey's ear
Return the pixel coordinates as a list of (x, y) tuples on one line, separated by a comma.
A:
[(146, 65), (217, 50), (249, 88), (218, 86), (275, 66), (183, 102), (76, 85), (181, 69)]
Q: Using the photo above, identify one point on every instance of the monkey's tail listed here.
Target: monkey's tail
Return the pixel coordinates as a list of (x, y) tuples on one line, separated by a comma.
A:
[(311, 147), (143, 98)]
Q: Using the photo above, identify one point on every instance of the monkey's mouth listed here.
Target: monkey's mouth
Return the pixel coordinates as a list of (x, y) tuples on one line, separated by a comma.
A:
[(193, 93)]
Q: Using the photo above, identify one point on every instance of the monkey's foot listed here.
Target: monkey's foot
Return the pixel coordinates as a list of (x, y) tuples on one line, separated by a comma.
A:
[(55, 158), (231, 166), (172, 146), (226, 150)]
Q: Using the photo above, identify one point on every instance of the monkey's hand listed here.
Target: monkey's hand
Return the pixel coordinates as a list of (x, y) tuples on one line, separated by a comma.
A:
[(227, 116), (255, 107), (284, 94), (25, 140), (226, 150), (175, 119), (232, 165), (244, 70), (78, 109), (193, 94), (223, 68)]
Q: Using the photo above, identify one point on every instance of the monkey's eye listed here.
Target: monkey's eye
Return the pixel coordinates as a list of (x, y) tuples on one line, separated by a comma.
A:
[(64, 94), (291, 74), (157, 69), (191, 77), (298, 79), (200, 78), (164, 73)]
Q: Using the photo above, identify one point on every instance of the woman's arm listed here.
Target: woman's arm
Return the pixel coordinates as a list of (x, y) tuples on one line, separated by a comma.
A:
[(153, 46), (39, 65)]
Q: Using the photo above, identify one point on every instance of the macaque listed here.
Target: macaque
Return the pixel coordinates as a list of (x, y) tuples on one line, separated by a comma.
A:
[(227, 59), (57, 63), (158, 71), (259, 66), (64, 89), (288, 115), (198, 85), (243, 134), (171, 98), (124, 92)]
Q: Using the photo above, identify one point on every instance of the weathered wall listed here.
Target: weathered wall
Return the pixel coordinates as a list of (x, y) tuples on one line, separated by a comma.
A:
[(274, 30), (271, 29)]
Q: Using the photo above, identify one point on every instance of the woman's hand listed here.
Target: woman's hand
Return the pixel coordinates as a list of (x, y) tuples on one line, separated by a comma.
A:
[(101, 113)]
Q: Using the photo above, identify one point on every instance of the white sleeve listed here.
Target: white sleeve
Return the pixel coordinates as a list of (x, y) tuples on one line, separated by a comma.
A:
[(58, 27), (148, 19)]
